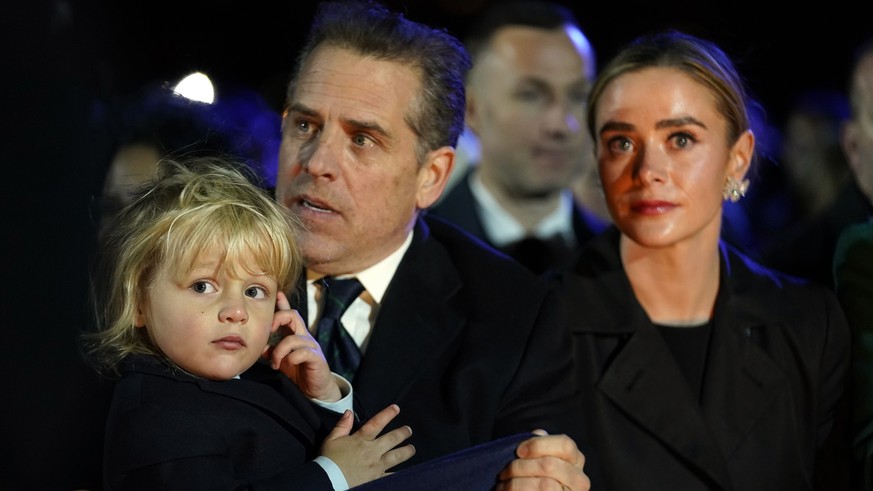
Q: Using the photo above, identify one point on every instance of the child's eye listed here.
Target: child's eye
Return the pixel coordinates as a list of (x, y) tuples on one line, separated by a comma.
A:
[(203, 287), (256, 292)]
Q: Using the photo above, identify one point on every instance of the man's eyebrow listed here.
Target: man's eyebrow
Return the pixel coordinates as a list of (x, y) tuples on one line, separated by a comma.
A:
[(349, 123), (670, 123), (302, 109), (367, 126)]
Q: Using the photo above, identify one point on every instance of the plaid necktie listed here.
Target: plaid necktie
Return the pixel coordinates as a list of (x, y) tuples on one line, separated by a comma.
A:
[(342, 353)]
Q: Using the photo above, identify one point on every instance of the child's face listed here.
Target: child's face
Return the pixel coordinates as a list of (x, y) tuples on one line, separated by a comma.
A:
[(210, 324)]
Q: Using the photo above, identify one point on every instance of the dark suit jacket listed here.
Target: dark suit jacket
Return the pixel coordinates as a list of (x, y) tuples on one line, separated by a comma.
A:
[(170, 430), (469, 344), (774, 374), (460, 207), (853, 273)]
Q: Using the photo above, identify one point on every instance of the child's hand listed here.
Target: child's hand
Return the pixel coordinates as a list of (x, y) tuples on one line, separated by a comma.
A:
[(364, 455), (299, 356)]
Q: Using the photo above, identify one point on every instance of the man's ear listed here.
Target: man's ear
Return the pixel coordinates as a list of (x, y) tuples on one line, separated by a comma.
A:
[(470, 111), (434, 175), (849, 143)]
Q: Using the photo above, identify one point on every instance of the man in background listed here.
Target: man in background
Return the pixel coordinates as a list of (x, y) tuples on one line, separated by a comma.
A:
[(526, 102)]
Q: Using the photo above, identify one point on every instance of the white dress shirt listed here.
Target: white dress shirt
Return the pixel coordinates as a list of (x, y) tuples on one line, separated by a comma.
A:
[(358, 318), (503, 229)]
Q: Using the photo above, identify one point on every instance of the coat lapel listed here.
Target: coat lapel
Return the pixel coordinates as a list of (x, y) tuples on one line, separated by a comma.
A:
[(645, 382), (273, 393), (747, 380), (416, 323)]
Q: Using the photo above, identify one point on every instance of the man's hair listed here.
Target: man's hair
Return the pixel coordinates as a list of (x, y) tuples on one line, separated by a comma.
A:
[(524, 13), (371, 30)]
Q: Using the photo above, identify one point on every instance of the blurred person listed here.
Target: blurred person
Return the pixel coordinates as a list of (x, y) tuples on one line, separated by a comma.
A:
[(853, 263), (700, 369), (470, 344), (532, 69), (155, 122), (818, 198)]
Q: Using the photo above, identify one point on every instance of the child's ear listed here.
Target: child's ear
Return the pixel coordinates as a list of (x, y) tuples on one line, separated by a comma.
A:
[(139, 319)]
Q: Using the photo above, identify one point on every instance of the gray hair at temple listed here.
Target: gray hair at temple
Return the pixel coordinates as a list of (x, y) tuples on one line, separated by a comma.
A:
[(370, 29)]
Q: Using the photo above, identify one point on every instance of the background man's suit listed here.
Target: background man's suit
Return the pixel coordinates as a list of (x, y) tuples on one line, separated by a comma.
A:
[(460, 207)]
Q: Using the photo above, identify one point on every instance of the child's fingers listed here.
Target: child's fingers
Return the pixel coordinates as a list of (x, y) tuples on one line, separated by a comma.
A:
[(296, 350), (397, 456), (282, 302), (343, 426), (293, 321), (377, 423)]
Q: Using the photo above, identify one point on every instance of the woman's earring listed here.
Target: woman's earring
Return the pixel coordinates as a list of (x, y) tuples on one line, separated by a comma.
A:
[(734, 189)]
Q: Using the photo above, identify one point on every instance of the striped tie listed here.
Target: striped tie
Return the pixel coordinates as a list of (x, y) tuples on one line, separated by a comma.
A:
[(340, 350)]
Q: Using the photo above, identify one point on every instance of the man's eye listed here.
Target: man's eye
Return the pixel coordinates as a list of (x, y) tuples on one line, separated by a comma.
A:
[(360, 140), (202, 287), (256, 292), (529, 95), (579, 96)]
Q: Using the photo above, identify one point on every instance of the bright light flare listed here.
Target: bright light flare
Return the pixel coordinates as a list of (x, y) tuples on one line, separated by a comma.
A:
[(196, 87)]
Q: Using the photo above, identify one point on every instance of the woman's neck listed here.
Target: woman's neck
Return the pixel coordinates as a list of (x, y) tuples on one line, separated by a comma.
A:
[(676, 285)]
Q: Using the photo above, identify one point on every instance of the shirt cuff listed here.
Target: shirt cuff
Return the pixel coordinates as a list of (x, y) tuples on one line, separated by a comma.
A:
[(337, 479), (345, 401)]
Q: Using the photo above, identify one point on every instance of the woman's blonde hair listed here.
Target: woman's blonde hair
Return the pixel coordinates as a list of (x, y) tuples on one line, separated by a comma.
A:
[(190, 207)]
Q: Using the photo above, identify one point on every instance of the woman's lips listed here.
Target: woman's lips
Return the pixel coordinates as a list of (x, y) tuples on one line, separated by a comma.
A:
[(652, 207)]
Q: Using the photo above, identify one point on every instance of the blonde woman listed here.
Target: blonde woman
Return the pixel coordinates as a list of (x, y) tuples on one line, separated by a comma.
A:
[(700, 369)]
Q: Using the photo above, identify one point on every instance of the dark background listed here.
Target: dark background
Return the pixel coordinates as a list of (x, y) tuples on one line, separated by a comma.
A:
[(65, 61)]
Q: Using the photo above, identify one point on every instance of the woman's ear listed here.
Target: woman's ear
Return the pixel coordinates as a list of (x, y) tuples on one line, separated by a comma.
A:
[(741, 155)]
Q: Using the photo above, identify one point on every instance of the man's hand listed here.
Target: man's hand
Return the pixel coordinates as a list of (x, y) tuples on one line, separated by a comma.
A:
[(545, 462)]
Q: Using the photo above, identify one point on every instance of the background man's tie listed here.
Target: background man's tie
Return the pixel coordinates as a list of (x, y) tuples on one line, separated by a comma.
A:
[(341, 351)]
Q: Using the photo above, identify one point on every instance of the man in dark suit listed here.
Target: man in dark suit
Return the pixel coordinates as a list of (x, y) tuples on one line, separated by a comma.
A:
[(526, 99), (470, 345), (853, 262)]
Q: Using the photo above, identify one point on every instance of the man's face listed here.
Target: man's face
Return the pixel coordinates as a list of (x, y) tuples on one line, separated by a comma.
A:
[(858, 133), (347, 162), (526, 101)]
